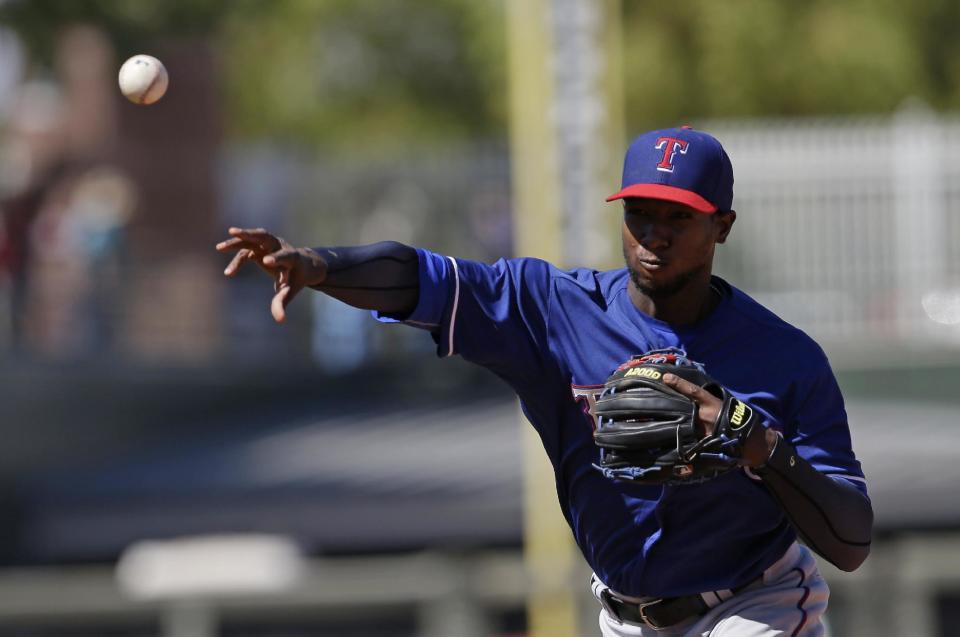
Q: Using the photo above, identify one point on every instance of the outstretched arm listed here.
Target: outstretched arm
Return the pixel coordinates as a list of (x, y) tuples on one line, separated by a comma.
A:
[(831, 515), (382, 276)]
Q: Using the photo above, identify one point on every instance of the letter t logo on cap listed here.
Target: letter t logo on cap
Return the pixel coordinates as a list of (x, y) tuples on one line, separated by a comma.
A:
[(670, 146)]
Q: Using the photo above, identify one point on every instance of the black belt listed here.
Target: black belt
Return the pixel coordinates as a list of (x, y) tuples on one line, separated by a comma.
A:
[(659, 613)]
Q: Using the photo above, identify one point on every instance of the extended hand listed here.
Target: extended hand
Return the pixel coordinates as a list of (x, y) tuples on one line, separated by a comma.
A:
[(292, 269)]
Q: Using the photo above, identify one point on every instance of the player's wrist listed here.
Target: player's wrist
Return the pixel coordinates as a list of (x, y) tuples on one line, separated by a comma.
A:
[(316, 267), (759, 447), (773, 440)]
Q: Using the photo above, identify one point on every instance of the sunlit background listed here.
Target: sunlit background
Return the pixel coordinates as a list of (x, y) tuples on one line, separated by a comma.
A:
[(174, 463)]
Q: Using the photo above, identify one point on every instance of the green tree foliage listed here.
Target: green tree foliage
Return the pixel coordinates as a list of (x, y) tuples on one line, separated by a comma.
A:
[(701, 58), (361, 74), (357, 73), (339, 73), (132, 24)]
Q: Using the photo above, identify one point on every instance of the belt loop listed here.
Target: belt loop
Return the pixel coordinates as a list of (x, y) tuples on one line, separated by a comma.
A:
[(606, 600), (723, 595)]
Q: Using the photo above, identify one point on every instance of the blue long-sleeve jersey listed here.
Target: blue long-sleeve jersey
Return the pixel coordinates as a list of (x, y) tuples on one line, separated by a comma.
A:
[(556, 335)]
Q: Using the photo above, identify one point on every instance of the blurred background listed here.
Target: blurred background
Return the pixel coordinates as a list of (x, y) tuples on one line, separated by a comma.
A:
[(174, 463)]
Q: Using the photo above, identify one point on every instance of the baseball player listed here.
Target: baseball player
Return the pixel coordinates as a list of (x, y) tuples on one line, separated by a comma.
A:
[(715, 557)]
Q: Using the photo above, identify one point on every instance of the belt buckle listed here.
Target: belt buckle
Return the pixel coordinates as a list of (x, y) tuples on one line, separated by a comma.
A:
[(642, 609)]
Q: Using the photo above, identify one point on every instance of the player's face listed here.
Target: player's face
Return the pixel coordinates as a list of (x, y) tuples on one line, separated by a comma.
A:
[(666, 245)]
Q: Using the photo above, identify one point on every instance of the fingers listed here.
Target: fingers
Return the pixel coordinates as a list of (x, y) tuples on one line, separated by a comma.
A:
[(234, 231), (281, 279), (270, 252), (277, 305), (238, 259), (264, 243), (284, 258), (684, 386), (280, 301), (709, 405), (274, 255), (230, 244), (255, 237), (281, 263)]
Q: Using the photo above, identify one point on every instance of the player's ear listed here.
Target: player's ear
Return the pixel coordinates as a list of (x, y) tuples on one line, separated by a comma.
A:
[(724, 220)]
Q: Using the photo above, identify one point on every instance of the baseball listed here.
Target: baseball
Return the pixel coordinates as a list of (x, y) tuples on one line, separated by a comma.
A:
[(143, 79)]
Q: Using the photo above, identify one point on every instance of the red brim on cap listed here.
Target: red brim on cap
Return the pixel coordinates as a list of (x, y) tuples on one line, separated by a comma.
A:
[(666, 193)]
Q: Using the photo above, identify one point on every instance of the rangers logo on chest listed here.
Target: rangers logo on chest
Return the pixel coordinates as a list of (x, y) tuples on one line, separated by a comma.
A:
[(587, 396)]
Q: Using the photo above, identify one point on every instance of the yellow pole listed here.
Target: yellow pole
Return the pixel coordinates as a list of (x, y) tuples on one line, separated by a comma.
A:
[(612, 134), (533, 144), (538, 231), (542, 222)]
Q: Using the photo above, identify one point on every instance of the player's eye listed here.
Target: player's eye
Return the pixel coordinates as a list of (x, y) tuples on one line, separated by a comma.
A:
[(681, 215)]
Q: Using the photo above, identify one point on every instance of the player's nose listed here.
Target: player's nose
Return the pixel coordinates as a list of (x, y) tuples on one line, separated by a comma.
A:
[(654, 236)]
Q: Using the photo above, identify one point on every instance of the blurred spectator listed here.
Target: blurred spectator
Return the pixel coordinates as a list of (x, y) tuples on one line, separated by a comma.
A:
[(102, 205), (32, 165), (63, 206), (19, 212), (76, 248)]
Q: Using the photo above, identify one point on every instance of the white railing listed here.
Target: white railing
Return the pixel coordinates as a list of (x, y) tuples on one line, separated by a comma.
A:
[(896, 592), (848, 227)]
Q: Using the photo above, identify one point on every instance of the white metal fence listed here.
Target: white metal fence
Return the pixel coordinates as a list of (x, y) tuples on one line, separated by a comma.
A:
[(848, 227)]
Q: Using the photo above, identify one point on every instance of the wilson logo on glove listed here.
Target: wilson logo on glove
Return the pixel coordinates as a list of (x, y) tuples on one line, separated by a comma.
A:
[(740, 413)]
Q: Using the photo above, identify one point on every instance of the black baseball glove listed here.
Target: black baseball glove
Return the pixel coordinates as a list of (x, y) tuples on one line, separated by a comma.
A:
[(649, 433)]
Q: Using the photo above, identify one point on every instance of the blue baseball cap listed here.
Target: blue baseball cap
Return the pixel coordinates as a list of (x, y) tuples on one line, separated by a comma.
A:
[(680, 165)]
